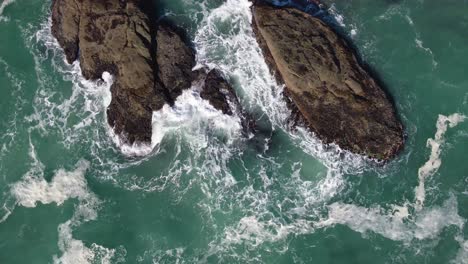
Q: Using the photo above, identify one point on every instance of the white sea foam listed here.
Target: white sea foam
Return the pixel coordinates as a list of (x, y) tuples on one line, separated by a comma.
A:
[(339, 18), (462, 256), (65, 185), (434, 162), (4, 4), (75, 251), (225, 40), (397, 223), (194, 117), (10, 134), (234, 49), (254, 232), (88, 100), (418, 40), (427, 224)]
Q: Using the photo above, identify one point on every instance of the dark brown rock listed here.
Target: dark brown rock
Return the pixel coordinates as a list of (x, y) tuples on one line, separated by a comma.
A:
[(219, 92), (65, 21), (175, 59), (222, 96), (151, 64), (331, 92)]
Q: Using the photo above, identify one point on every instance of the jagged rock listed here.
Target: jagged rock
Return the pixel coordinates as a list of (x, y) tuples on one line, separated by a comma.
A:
[(151, 63), (221, 95), (328, 88), (175, 59), (219, 92), (65, 26)]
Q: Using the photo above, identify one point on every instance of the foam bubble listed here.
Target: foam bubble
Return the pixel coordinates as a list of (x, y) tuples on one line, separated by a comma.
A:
[(339, 18), (225, 40), (397, 223), (64, 185), (254, 232)]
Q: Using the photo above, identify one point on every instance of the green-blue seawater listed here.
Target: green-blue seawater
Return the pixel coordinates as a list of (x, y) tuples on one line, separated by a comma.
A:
[(204, 193)]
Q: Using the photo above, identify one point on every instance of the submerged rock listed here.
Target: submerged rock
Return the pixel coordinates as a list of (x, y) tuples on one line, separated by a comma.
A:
[(328, 89)]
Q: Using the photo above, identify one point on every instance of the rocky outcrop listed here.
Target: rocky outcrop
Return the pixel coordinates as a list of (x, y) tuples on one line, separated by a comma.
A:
[(175, 59), (221, 95), (219, 92), (328, 88), (149, 59)]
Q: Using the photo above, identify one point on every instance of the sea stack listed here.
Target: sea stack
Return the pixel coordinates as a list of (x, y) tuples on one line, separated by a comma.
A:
[(150, 59), (329, 91)]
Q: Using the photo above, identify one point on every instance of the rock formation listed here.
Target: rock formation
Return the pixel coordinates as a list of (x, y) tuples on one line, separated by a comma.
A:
[(150, 60), (221, 95), (328, 88)]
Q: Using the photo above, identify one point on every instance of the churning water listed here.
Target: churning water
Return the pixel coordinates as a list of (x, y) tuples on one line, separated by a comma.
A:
[(203, 192)]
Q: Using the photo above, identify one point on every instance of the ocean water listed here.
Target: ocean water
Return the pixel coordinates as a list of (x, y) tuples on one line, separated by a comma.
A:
[(202, 192)]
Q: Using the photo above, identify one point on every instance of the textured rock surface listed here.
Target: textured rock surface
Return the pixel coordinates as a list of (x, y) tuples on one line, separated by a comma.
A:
[(151, 64), (175, 59), (331, 92), (219, 92), (221, 95)]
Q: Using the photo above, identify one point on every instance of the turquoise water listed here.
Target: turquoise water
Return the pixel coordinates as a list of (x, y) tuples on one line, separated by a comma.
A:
[(205, 193)]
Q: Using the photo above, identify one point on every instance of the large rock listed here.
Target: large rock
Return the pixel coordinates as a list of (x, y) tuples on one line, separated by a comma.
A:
[(150, 62), (330, 91)]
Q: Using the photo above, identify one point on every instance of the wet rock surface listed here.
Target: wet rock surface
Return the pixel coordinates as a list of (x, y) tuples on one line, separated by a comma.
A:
[(218, 91), (328, 89), (151, 60)]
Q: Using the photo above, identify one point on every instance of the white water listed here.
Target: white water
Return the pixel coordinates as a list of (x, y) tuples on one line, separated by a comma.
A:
[(225, 40), (65, 185), (87, 101), (389, 223), (462, 256), (434, 162), (397, 223), (195, 118), (4, 4)]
